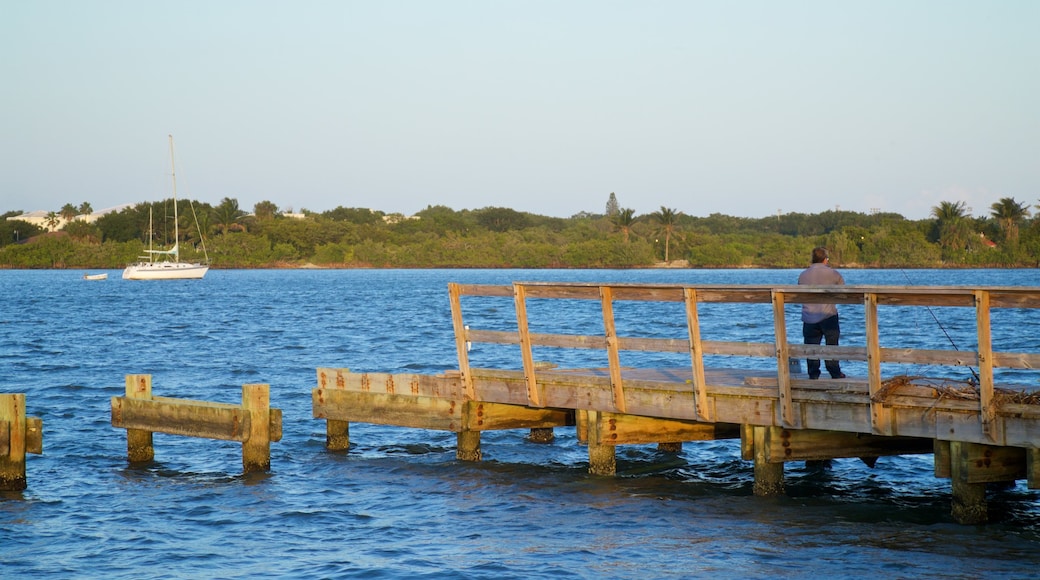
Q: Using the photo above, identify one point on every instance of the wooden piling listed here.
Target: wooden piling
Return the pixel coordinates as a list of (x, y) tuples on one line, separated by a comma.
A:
[(602, 456), (139, 446), (12, 442), (769, 477), (973, 466), (969, 498), (1033, 468), (602, 459), (337, 435), (256, 449), (468, 446), (542, 435)]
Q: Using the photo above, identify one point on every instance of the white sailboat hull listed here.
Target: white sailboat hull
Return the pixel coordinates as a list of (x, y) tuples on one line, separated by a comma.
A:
[(165, 271)]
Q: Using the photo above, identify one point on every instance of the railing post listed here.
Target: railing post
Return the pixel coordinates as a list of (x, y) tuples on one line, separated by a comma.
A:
[(613, 356), (987, 409), (454, 295), (520, 299), (880, 418), (700, 391), (783, 379), (139, 448)]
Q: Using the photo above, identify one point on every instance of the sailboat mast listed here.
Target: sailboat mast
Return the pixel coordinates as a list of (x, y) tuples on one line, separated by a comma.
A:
[(176, 220)]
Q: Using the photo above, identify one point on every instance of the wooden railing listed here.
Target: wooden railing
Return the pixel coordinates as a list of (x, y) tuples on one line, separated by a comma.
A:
[(982, 299)]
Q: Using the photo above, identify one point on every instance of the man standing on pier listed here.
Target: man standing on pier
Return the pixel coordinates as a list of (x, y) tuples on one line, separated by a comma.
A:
[(820, 321)]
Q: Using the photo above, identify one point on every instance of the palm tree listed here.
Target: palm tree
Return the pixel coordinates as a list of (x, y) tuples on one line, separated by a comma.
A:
[(1009, 213), (666, 217), (52, 220), (68, 211), (623, 221), (949, 211), (227, 214), (85, 208), (953, 226)]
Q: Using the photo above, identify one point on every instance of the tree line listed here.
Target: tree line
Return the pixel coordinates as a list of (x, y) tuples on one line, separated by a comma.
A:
[(500, 237)]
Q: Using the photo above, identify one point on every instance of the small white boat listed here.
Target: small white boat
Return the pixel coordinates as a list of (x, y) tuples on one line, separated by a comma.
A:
[(95, 276)]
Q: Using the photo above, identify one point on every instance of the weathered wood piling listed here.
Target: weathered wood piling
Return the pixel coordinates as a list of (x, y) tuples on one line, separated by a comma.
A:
[(18, 435)]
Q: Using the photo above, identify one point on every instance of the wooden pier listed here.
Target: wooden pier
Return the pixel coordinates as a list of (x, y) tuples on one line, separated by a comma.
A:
[(978, 431)]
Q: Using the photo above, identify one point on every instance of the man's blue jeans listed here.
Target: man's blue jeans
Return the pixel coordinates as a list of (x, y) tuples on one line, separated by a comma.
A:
[(813, 333)]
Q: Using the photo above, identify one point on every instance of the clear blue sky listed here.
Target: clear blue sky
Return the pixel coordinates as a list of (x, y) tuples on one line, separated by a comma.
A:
[(741, 108)]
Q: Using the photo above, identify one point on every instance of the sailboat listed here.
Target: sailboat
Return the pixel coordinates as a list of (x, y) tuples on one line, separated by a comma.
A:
[(170, 267)]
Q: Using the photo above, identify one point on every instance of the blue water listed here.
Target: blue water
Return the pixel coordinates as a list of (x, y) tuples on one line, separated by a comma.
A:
[(398, 504)]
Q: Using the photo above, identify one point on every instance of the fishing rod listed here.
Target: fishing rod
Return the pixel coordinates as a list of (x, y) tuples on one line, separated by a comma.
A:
[(943, 328)]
